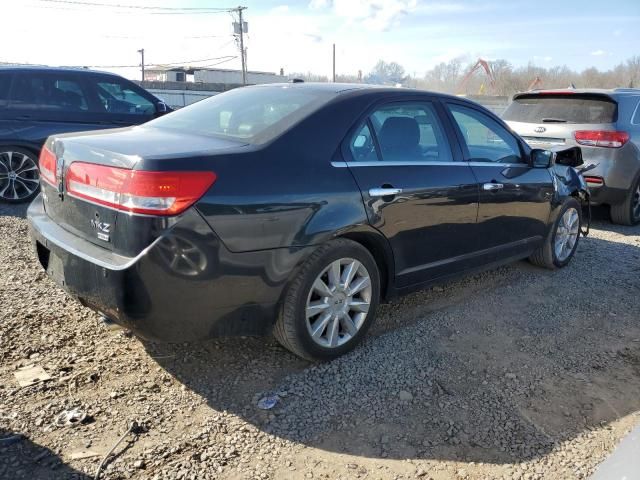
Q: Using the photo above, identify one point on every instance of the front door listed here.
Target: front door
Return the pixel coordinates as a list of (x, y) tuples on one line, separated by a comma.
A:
[(416, 190), (515, 199)]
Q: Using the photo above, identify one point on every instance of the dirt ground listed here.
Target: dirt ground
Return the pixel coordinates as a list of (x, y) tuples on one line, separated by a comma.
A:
[(516, 373)]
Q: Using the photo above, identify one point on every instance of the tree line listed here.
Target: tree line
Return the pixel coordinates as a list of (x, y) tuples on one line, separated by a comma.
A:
[(448, 77)]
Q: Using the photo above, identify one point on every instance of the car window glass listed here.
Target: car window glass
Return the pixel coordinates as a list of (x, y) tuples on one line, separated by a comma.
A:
[(636, 116), (48, 92), (410, 132), (362, 146), (5, 83), (255, 114), (486, 139), (119, 98)]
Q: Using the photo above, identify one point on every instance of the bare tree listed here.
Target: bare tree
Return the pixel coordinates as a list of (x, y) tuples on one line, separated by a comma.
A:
[(386, 73)]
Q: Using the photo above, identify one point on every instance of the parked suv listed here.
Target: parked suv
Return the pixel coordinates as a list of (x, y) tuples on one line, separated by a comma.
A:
[(36, 102), (605, 123)]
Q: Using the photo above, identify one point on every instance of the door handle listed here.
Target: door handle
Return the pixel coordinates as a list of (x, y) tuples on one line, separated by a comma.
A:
[(384, 192), (492, 187)]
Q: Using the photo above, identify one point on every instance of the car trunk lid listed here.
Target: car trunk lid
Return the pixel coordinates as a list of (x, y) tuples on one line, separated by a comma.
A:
[(101, 191)]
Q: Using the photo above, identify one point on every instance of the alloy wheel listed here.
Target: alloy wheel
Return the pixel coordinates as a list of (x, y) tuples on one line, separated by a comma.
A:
[(567, 233), (338, 302), (19, 177)]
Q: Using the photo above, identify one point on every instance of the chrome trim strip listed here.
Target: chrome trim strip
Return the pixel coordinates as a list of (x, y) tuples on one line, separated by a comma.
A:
[(426, 164), (396, 164), (497, 164)]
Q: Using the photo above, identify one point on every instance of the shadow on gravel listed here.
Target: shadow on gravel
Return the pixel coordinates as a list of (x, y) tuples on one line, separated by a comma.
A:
[(510, 367), (24, 459)]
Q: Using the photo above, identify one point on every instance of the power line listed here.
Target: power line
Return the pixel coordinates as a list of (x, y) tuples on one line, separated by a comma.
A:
[(225, 58), (142, 7)]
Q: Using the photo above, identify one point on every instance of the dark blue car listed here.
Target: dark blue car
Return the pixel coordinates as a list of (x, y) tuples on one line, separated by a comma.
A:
[(36, 102)]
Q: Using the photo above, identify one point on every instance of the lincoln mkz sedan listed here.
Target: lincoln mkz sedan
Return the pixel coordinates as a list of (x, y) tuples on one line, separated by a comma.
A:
[(295, 209)]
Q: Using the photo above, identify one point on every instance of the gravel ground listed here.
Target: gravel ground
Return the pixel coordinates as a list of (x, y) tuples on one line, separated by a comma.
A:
[(517, 373)]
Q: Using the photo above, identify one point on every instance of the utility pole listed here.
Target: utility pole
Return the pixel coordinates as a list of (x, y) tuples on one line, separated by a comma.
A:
[(241, 31), (141, 52), (334, 63)]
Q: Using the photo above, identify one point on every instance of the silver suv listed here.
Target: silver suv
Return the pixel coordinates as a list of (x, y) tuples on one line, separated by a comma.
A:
[(605, 123)]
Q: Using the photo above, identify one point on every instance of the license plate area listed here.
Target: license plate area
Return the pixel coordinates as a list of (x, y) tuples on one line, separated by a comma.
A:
[(52, 263), (43, 255)]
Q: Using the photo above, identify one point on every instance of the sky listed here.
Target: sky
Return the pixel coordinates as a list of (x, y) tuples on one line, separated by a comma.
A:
[(297, 35)]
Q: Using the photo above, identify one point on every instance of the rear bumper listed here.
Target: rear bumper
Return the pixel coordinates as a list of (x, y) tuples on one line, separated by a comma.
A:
[(618, 168), (160, 298), (606, 195)]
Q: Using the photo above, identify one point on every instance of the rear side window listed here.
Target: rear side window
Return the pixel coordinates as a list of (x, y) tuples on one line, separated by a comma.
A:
[(117, 97), (5, 84), (254, 115), (410, 132), (48, 92), (572, 108)]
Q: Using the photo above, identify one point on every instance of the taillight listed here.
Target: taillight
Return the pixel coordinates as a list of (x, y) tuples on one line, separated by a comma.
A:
[(601, 138), (47, 164), (137, 191), (594, 180)]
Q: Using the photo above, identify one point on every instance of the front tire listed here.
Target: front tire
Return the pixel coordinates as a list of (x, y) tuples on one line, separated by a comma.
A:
[(628, 212), (562, 240), (19, 175), (331, 303)]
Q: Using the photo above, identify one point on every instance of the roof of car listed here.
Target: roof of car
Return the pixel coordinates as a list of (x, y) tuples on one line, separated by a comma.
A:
[(340, 88), (45, 68)]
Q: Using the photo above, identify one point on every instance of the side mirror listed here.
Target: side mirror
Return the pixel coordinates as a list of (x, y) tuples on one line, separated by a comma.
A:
[(161, 108), (539, 158)]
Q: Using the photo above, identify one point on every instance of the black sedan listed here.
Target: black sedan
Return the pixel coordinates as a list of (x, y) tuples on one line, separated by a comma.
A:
[(294, 209)]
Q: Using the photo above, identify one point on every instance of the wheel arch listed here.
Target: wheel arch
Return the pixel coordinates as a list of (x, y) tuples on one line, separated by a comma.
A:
[(24, 145), (381, 252)]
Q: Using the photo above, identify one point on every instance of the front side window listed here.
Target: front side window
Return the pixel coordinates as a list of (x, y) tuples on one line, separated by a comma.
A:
[(486, 140), (121, 98), (48, 92), (408, 132), (254, 115)]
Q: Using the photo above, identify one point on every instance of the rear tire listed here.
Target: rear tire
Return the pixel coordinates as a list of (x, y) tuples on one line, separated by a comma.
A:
[(562, 240), (628, 212), (318, 323), (19, 175)]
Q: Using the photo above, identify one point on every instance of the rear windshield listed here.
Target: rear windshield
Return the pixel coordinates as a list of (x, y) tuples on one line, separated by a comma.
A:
[(561, 109), (253, 115)]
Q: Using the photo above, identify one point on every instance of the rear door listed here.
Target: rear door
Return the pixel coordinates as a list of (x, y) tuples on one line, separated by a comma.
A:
[(515, 199), (47, 103), (416, 190)]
